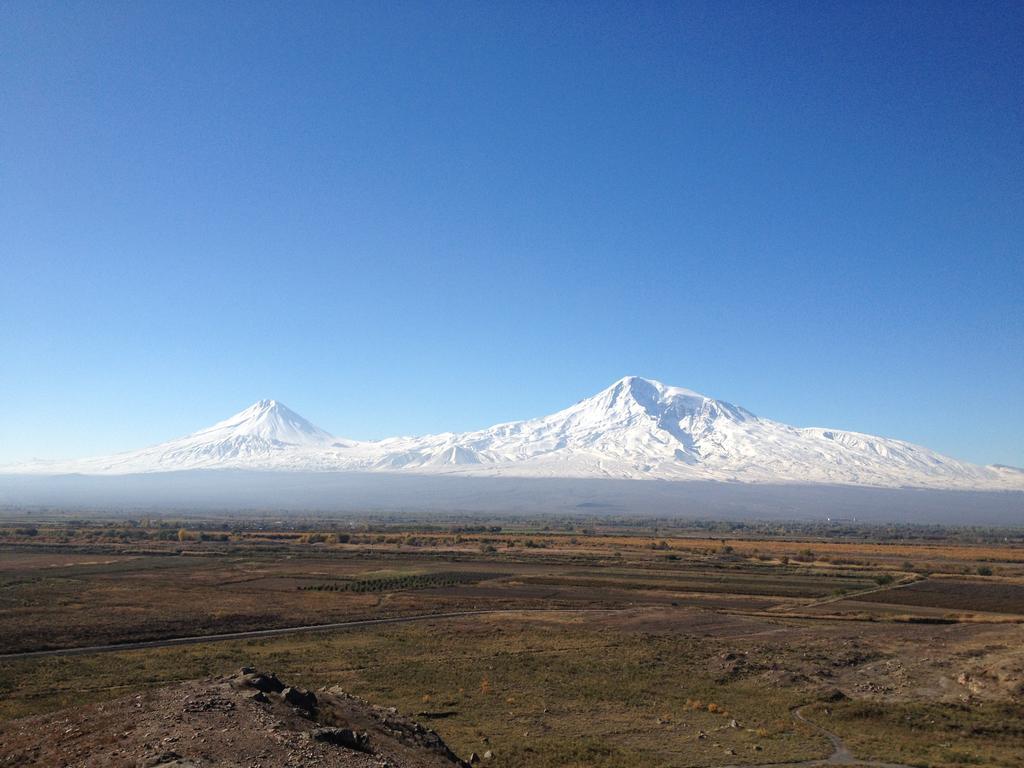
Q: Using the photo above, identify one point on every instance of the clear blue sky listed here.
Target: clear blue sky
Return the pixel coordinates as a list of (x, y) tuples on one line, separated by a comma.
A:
[(412, 217)]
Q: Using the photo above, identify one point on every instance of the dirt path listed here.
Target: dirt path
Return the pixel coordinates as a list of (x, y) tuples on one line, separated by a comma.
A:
[(906, 581), (257, 633), (841, 754)]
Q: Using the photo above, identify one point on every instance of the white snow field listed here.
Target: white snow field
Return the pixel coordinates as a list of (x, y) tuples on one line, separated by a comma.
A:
[(635, 429)]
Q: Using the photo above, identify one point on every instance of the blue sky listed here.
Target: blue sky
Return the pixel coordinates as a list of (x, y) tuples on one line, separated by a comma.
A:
[(407, 217)]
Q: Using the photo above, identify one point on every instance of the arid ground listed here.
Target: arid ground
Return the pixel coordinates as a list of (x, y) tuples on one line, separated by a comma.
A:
[(540, 644)]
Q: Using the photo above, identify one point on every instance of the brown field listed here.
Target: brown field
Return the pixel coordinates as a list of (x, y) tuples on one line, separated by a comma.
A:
[(973, 596), (674, 649)]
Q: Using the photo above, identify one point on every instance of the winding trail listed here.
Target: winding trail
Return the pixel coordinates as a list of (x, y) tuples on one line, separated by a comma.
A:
[(841, 754), (258, 633), (906, 581)]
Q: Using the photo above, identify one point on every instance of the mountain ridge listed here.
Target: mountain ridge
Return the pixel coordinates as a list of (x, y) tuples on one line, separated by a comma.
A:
[(636, 428)]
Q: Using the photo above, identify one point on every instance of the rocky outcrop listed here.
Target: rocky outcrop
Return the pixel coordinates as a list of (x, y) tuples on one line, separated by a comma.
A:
[(247, 718)]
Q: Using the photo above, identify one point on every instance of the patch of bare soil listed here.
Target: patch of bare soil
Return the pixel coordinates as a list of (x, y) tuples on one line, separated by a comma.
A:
[(247, 720)]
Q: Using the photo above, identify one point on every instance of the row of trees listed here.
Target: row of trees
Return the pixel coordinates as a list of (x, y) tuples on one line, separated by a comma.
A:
[(405, 582)]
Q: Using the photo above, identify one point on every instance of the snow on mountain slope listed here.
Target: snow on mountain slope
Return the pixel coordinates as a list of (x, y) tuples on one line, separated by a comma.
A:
[(638, 428), (263, 434), (635, 429)]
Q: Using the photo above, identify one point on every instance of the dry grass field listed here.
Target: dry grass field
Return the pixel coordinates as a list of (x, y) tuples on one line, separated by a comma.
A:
[(677, 649)]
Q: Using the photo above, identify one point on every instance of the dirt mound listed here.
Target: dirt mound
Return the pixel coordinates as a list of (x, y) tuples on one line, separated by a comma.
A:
[(246, 720)]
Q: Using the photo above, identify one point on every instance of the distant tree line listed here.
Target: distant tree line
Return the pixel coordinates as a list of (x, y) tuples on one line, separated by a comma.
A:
[(405, 582)]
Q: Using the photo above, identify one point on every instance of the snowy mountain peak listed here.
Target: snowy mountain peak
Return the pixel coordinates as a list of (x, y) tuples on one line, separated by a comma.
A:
[(271, 421), (636, 428), (640, 388), (634, 394)]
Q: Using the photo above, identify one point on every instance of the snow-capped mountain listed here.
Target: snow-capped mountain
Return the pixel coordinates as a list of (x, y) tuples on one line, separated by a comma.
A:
[(261, 435), (635, 429)]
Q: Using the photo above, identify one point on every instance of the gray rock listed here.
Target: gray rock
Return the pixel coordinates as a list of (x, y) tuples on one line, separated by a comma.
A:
[(162, 759), (263, 682), (343, 737), (299, 697)]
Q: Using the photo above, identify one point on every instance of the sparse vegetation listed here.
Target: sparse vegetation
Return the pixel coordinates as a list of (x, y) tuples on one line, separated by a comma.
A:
[(405, 582), (778, 616)]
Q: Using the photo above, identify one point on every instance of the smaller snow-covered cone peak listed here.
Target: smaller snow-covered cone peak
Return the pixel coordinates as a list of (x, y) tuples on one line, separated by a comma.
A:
[(271, 421), (266, 405), (266, 435)]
